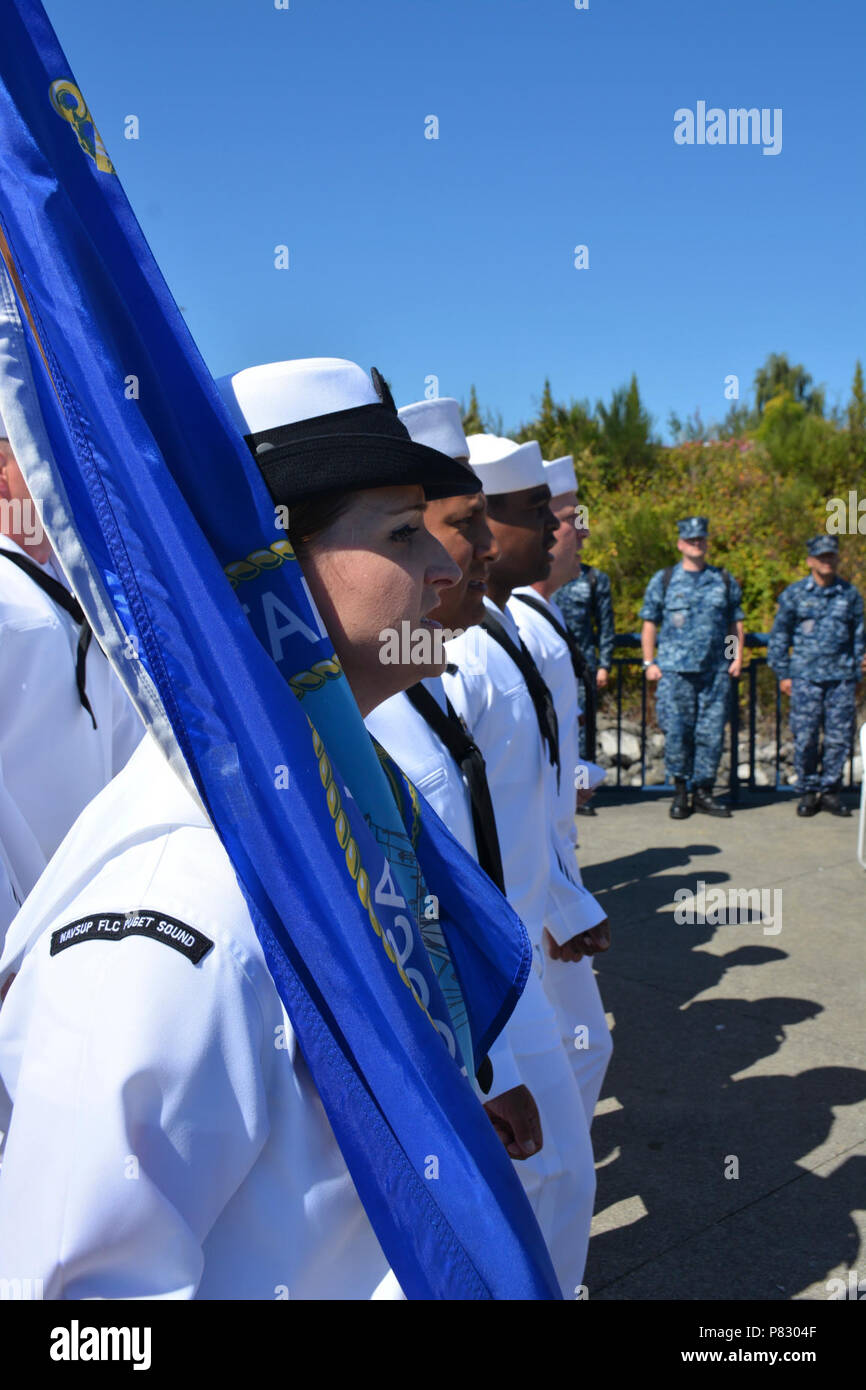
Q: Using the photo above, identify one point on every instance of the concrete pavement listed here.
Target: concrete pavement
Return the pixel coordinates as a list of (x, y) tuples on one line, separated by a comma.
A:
[(731, 1134)]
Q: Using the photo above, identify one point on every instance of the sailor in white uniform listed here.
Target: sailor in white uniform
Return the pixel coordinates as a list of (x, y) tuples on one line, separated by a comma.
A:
[(166, 1139), (571, 985), (498, 714), (407, 736), (68, 726)]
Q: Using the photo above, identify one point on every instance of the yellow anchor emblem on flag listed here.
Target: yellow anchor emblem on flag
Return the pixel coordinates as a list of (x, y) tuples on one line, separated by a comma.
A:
[(70, 104)]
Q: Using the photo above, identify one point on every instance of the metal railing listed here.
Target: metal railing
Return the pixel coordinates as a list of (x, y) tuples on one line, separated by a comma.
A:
[(757, 642)]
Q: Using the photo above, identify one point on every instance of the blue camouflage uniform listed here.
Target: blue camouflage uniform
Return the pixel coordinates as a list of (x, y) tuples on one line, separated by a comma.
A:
[(589, 619), (824, 625), (694, 616)]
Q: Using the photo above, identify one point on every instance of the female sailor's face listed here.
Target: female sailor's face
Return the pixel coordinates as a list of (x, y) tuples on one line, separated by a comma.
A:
[(375, 574)]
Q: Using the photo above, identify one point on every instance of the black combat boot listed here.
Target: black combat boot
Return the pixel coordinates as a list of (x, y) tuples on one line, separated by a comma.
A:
[(680, 807), (809, 804), (705, 801), (830, 802)]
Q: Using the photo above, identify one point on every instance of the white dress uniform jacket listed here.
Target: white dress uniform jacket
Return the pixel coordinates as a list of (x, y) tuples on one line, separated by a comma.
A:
[(553, 659), (166, 1139), (408, 739), (52, 760), (570, 985), (491, 697), (499, 712)]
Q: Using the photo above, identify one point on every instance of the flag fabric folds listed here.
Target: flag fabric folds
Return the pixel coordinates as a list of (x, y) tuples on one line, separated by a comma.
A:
[(170, 539)]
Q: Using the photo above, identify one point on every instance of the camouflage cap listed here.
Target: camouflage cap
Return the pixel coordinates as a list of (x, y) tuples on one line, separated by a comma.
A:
[(692, 528), (822, 545)]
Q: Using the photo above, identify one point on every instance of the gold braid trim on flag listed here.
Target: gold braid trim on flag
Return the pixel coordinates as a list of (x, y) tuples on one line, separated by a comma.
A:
[(393, 772), (415, 832), (347, 842), (303, 682), (11, 267), (265, 558)]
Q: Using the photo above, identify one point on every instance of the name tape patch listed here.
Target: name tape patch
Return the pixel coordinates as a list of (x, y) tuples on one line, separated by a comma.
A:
[(116, 926)]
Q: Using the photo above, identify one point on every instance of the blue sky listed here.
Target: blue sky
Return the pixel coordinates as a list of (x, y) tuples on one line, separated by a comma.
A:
[(454, 257)]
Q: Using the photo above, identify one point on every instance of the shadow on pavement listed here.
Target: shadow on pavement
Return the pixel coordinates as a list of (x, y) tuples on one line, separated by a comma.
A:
[(690, 1145)]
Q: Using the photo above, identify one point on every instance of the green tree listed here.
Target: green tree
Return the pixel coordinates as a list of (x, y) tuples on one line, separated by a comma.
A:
[(691, 430), (625, 435), (472, 421), (562, 429), (799, 443), (856, 417), (738, 421), (547, 415), (778, 376)]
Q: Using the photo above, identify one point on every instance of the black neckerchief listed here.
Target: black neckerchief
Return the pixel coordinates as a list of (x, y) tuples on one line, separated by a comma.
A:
[(578, 661), (542, 699), (62, 597), (448, 727)]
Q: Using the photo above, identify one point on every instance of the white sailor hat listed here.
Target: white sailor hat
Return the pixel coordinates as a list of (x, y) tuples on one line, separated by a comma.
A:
[(559, 475), (504, 466), (319, 424), (438, 424)]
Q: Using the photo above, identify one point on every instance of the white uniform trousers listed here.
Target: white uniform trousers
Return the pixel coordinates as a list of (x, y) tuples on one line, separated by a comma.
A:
[(572, 990), (560, 1180)]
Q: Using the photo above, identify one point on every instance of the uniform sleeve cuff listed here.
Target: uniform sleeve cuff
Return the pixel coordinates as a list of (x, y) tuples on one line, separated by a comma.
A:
[(505, 1073)]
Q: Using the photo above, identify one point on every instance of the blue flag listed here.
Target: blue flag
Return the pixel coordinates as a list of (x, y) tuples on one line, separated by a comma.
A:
[(170, 538)]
